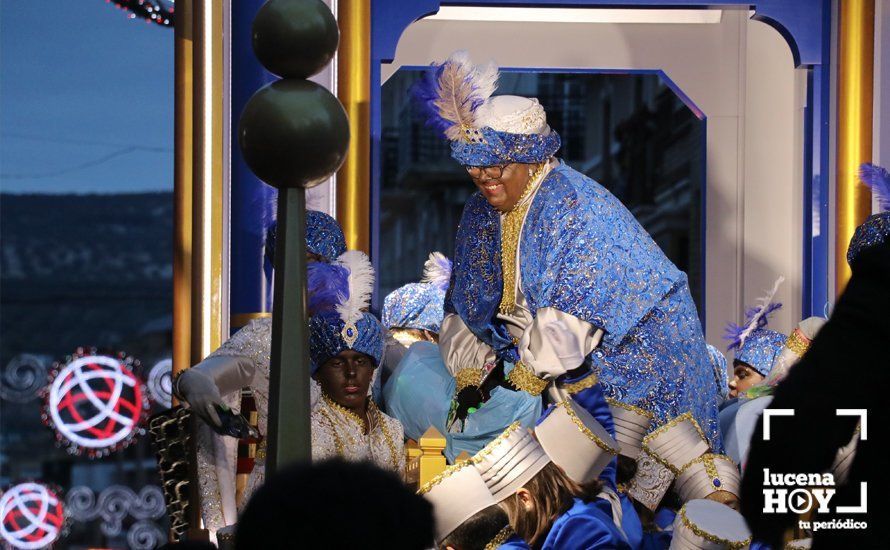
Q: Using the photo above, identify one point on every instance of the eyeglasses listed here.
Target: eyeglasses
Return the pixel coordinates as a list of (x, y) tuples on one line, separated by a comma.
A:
[(494, 172)]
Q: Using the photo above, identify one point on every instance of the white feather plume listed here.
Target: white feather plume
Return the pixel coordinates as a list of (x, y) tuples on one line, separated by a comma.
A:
[(486, 80), (462, 87), (437, 270), (360, 282), (762, 304)]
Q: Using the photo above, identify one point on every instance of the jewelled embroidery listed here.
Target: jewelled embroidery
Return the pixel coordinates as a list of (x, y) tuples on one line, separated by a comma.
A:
[(711, 470), (874, 231), (349, 334), (760, 349), (347, 432), (585, 430), (707, 461), (329, 337), (511, 227), (588, 381), (495, 147), (468, 377), (523, 379), (625, 406), (500, 538), (442, 476), (323, 237), (798, 343)]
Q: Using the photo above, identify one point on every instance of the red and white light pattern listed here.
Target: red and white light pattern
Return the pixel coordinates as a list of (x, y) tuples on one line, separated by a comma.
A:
[(32, 516), (96, 404)]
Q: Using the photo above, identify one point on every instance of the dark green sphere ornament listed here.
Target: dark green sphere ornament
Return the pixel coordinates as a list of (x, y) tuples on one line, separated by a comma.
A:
[(293, 133), (295, 38)]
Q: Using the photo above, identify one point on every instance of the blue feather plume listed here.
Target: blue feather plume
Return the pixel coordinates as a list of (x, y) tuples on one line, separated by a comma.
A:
[(763, 320), (424, 94), (450, 93), (327, 286), (878, 179), (732, 334), (755, 318)]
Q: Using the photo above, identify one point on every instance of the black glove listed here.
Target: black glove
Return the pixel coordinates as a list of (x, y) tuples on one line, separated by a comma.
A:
[(234, 425), (468, 398), (199, 391)]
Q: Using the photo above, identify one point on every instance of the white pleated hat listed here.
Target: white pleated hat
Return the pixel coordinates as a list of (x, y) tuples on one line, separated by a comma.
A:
[(706, 475), (677, 442), (510, 461), (456, 494), (631, 425), (709, 525), (575, 441)]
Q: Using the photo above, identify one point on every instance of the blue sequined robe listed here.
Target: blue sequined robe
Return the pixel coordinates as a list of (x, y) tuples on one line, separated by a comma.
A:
[(583, 253)]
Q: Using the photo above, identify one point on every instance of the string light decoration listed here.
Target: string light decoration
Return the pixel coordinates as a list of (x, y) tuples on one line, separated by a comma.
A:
[(31, 516), (95, 403), (159, 12)]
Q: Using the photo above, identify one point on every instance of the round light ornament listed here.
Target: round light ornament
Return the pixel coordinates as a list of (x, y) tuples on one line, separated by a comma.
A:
[(31, 516), (96, 404)]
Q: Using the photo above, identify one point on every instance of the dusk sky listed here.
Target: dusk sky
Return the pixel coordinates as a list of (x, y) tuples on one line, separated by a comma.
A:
[(86, 99)]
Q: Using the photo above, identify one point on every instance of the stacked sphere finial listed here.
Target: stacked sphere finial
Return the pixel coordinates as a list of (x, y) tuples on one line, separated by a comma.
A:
[(293, 132)]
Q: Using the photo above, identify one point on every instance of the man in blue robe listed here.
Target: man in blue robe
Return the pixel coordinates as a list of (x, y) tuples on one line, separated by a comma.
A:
[(554, 281)]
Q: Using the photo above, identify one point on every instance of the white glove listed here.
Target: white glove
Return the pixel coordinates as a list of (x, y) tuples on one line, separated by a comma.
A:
[(199, 391)]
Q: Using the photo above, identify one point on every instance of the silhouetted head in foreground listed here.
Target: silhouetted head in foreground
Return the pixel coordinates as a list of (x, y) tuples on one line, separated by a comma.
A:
[(335, 504)]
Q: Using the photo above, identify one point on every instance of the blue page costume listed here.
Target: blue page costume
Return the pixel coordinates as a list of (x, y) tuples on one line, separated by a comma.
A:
[(584, 526), (567, 278)]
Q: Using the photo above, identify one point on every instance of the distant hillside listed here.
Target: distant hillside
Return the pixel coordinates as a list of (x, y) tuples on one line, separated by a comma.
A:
[(82, 270)]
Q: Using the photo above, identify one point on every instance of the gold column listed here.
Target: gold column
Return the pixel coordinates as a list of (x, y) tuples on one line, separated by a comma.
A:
[(197, 190), (207, 180), (856, 39), (198, 182), (182, 187), (354, 91)]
